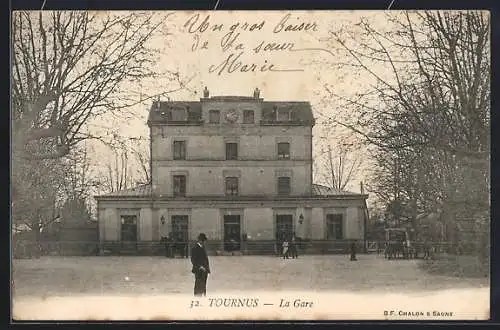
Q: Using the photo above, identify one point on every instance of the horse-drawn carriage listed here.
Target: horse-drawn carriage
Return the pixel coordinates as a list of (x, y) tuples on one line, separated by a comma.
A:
[(398, 244)]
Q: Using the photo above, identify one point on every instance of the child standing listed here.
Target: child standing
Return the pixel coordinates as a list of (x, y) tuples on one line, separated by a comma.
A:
[(285, 248)]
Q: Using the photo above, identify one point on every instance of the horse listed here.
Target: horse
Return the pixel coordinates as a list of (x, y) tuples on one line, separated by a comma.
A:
[(395, 250)]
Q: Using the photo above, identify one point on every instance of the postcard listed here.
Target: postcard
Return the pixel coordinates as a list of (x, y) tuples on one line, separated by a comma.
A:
[(250, 165)]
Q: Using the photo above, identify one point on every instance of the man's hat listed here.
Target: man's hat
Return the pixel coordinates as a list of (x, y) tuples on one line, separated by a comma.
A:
[(202, 237)]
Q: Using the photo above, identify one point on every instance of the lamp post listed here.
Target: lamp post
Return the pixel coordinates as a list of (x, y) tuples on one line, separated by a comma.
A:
[(162, 220)]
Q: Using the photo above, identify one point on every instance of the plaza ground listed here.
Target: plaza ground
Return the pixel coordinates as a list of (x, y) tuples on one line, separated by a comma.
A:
[(70, 276), (156, 288)]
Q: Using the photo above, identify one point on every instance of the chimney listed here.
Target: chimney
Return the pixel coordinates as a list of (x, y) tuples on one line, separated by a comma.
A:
[(361, 188), (256, 93), (206, 93), (156, 103)]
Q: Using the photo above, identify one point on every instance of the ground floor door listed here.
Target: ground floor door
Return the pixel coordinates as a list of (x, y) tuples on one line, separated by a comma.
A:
[(180, 235), (180, 231), (232, 233), (284, 227), (129, 232)]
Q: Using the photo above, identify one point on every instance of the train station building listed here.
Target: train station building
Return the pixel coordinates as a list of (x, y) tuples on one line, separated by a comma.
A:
[(237, 168)]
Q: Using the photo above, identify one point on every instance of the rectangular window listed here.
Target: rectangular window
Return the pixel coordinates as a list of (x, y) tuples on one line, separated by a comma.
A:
[(214, 116), (231, 151), (248, 117), (179, 185), (179, 150), (284, 185), (283, 150), (334, 228), (231, 186)]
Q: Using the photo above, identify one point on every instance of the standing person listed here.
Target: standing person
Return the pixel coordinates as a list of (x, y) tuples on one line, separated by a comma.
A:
[(170, 249), (168, 246), (165, 244), (293, 247), (201, 267), (426, 250), (285, 248), (279, 246), (353, 251)]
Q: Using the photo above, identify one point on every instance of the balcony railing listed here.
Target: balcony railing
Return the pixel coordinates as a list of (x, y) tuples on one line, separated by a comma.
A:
[(189, 122), (274, 122)]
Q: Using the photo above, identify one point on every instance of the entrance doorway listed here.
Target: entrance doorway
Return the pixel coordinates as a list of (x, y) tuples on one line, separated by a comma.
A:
[(180, 228), (232, 233), (180, 235), (129, 231), (284, 227)]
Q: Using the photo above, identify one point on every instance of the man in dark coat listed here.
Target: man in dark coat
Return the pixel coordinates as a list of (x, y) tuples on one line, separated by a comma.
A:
[(353, 252), (293, 247), (201, 267)]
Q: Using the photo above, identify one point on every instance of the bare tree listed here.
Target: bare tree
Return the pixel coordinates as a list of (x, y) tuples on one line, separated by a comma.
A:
[(426, 107), (118, 175), (338, 160), (438, 91), (141, 155), (338, 166), (68, 67), (128, 167), (436, 97), (80, 177)]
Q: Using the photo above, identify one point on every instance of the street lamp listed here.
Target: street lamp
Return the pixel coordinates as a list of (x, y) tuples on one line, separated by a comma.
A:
[(301, 219), (162, 219)]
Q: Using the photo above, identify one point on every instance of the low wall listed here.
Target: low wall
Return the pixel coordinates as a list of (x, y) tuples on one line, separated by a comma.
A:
[(216, 247), (29, 249)]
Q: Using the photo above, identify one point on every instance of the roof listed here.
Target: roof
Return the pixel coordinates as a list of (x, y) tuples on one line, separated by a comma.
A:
[(320, 190), (159, 111), (303, 110), (144, 190)]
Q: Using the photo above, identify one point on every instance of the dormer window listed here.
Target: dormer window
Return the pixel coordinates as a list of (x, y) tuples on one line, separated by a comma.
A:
[(285, 115), (179, 114)]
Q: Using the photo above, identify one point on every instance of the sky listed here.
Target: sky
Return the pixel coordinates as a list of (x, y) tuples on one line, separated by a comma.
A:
[(297, 44)]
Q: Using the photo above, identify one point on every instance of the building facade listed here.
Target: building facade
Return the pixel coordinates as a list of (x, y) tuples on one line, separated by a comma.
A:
[(238, 169)]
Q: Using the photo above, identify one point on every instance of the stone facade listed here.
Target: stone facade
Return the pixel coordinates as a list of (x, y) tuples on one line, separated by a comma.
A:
[(238, 169)]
